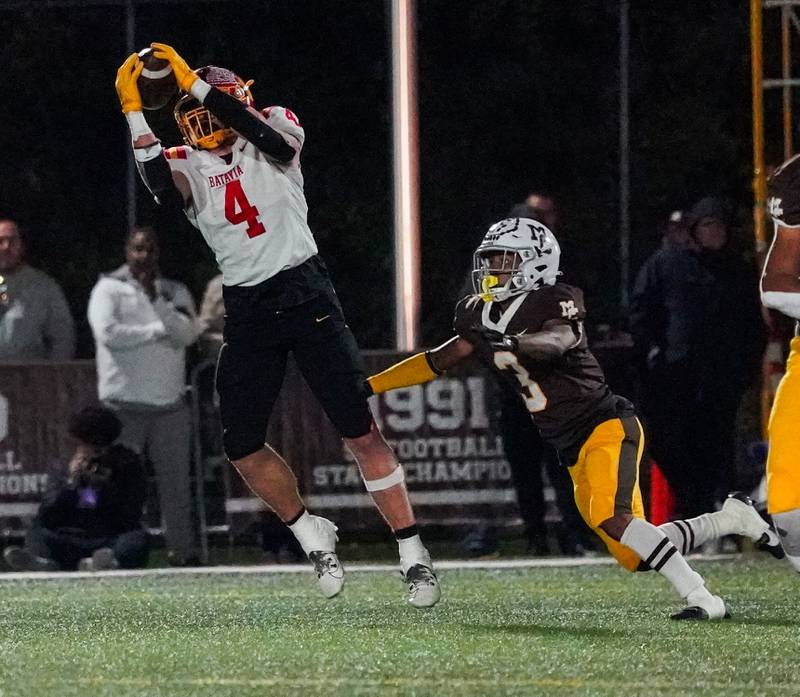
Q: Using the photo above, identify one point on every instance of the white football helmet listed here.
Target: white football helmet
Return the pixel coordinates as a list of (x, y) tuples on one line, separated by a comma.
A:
[(523, 249)]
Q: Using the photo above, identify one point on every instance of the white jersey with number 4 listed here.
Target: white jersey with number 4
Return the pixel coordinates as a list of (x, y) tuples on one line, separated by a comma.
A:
[(252, 212)]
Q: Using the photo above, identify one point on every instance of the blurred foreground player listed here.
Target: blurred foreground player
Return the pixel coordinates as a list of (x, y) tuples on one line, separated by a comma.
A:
[(529, 328), (239, 182), (780, 290)]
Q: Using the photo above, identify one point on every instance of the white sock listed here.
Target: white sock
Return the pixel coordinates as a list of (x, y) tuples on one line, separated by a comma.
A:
[(412, 551), (687, 535), (661, 555), (308, 535)]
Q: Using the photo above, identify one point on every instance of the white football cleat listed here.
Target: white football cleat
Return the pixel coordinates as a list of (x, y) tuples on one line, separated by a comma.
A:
[(703, 606), (423, 586), (330, 572), (102, 559), (749, 523)]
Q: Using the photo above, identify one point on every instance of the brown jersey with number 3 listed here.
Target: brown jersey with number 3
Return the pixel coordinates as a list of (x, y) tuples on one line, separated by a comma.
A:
[(567, 397)]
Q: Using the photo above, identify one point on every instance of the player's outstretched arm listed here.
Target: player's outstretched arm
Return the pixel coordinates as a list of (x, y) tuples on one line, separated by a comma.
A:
[(229, 110), (153, 168), (421, 367)]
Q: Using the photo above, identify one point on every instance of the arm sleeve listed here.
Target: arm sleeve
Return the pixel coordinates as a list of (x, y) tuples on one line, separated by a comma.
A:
[(107, 328), (414, 370), (60, 329), (157, 176), (179, 317), (235, 115)]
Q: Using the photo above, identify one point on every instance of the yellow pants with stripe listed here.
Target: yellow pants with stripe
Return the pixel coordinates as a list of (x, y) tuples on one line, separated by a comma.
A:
[(783, 460), (606, 480)]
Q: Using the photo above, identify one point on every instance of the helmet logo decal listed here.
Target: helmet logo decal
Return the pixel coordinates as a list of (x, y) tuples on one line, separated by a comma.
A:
[(568, 309)]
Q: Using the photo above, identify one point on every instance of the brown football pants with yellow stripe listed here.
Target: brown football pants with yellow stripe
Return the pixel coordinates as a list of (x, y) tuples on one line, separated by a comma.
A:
[(606, 479), (783, 460)]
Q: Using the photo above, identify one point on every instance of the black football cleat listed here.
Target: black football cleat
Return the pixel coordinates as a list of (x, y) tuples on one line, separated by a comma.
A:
[(710, 607), (695, 613)]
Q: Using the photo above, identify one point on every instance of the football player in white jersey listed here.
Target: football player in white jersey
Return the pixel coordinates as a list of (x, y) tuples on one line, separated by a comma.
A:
[(238, 180)]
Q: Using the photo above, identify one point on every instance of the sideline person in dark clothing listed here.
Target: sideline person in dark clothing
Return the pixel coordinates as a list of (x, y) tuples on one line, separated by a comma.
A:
[(93, 520), (699, 336)]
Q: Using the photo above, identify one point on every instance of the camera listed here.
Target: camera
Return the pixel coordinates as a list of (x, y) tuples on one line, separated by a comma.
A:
[(93, 472)]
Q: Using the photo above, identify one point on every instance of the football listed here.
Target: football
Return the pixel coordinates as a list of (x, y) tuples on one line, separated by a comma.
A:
[(156, 83)]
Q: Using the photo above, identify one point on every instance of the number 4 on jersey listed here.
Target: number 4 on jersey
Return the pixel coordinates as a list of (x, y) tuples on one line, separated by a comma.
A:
[(239, 210)]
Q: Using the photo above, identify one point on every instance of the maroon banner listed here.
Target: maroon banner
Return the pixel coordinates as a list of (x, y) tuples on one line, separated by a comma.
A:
[(36, 400), (444, 435)]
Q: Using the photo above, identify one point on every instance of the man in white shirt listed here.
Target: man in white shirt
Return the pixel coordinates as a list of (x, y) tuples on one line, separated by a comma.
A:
[(142, 324)]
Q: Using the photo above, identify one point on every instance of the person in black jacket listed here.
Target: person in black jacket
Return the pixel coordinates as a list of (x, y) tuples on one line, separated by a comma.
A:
[(92, 520), (699, 335)]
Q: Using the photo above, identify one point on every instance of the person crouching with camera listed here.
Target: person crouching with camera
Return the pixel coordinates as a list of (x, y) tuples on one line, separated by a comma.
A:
[(91, 521)]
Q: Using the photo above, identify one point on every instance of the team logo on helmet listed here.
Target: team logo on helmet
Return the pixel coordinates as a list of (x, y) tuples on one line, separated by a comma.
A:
[(516, 255)]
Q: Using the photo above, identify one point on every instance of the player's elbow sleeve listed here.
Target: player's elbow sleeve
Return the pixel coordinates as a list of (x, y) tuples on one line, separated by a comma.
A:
[(235, 115), (157, 176), (271, 143), (170, 199)]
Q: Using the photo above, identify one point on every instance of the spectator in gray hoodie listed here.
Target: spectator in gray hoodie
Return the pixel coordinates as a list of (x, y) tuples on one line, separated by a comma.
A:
[(35, 321)]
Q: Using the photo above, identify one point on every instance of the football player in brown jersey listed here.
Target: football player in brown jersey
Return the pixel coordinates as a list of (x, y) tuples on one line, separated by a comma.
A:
[(525, 324), (780, 290)]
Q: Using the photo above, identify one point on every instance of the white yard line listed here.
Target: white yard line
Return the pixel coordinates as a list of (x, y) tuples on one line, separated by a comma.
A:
[(450, 564)]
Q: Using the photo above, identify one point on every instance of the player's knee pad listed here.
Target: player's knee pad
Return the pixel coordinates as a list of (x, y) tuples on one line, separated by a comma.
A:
[(397, 476)]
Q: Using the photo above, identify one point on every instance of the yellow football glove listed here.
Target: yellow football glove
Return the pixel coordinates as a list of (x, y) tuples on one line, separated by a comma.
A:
[(127, 90), (184, 75)]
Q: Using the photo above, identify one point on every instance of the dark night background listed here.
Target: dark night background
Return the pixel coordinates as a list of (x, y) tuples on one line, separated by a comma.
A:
[(512, 94)]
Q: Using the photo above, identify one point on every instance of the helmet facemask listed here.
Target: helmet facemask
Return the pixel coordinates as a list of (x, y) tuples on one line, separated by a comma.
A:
[(199, 128), (520, 251)]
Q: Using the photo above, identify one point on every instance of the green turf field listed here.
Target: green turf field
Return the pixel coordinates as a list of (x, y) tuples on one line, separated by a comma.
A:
[(541, 631)]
